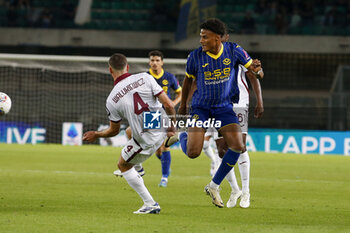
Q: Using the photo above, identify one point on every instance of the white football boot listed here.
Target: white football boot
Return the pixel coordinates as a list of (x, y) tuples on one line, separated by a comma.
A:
[(245, 200), (153, 209), (215, 195), (171, 140), (233, 199)]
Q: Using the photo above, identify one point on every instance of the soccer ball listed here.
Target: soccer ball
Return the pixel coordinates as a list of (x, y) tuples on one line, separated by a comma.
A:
[(5, 104)]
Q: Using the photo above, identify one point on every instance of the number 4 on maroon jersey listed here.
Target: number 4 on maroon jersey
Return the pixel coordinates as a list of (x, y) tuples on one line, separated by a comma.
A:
[(139, 105)]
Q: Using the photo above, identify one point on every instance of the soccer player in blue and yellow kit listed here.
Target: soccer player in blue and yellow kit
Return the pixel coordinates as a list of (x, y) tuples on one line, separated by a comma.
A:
[(213, 67), (167, 81)]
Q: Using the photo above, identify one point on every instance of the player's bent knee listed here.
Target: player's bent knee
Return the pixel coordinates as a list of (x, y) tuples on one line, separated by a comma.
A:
[(222, 149), (238, 148), (192, 154)]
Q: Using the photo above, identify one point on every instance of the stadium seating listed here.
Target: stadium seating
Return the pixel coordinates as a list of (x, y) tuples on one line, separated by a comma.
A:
[(144, 15)]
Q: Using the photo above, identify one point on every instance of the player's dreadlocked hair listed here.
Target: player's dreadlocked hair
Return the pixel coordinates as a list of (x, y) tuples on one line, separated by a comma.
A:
[(117, 61), (214, 25)]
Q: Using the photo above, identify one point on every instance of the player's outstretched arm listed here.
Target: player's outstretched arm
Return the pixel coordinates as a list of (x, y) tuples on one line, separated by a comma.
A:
[(186, 88), (111, 131), (177, 97), (259, 108)]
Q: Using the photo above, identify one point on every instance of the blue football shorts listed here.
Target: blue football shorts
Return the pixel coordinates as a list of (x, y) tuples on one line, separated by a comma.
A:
[(224, 114)]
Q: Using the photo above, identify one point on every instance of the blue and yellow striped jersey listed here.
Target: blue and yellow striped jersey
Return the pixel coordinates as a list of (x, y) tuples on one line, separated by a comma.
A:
[(216, 75), (166, 80)]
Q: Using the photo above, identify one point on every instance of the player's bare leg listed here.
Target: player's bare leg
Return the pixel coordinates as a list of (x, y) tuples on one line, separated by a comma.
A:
[(221, 146), (244, 169), (159, 152), (138, 167), (165, 158), (195, 141), (236, 193), (208, 151), (136, 182), (128, 133), (233, 137)]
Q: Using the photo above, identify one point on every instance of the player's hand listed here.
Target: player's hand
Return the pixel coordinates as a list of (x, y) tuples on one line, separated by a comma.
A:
[(256, 69), (171, 131), (182, 110), (90, 136), (256, 63), (259, 110)]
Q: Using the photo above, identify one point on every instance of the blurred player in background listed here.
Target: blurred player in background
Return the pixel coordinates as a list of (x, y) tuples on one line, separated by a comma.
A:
[(167, 81), (214, 68), (131, 96)]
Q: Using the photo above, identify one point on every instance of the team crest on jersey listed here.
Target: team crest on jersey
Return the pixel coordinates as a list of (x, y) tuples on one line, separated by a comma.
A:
[(226, 61), (165, 82), (195, 116)]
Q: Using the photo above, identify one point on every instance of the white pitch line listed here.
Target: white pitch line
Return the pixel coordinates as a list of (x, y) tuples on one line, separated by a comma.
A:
[(76, 172), (57, 172), (296, 180)]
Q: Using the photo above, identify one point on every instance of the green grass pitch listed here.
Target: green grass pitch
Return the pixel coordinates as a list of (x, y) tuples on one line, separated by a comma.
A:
[(53, 188)]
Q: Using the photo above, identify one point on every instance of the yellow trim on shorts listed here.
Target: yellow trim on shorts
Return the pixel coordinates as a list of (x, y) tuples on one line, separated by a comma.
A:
[(227, 125)]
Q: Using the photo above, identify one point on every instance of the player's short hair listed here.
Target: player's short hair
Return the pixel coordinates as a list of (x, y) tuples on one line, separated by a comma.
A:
[(215, 25), (156, 53), (118, 61)]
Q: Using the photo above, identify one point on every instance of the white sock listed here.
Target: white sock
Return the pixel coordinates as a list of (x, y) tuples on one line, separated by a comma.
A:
[(231, 178), (136, 182), (138, 166), (213, 185), (244, 169), (209, 151)]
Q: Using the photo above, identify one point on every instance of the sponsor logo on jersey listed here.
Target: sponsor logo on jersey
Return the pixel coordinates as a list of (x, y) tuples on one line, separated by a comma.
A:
[(226, 61)]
